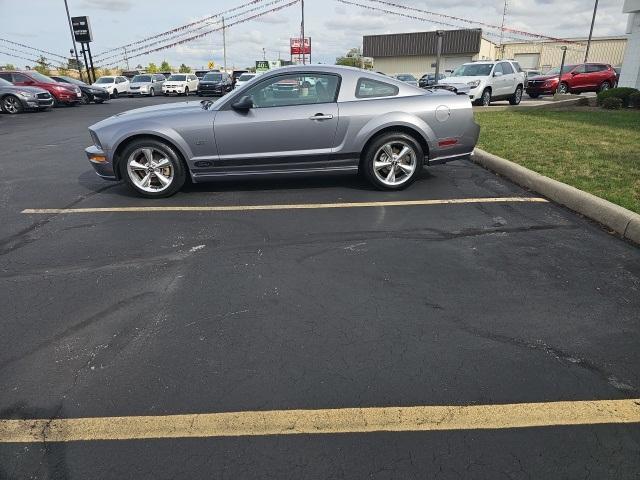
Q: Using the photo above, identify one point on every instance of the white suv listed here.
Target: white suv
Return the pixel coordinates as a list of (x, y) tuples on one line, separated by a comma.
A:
[(180, 84), (490, 80), (114, 85)]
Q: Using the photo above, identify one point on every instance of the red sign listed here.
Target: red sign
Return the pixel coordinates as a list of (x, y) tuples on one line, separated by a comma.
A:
[(298, 49)]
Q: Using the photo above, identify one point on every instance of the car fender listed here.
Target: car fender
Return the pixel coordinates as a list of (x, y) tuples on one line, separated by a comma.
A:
[(395, 119), (153, 129)]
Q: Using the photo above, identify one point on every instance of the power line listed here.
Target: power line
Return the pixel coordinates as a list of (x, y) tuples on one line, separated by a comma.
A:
[(31, 60), (32, 48), (183, 27), (182, 34), (209, 32)]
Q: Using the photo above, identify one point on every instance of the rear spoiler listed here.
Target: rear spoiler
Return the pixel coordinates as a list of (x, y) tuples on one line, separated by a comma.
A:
[(457, 89)]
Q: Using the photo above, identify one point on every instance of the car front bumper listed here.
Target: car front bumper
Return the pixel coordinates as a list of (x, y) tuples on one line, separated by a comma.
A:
[(541, 90), (101, 95), (32, 103), (173, 89), (100, 162), (211, 91)]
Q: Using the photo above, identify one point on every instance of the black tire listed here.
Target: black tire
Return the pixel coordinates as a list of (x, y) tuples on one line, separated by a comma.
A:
[(85, 99), (12, 105), (114, 94), (186, 91), (130, 96), (604, 87), (152, 92), (516, 97), (179, 170), (533, 95), (563, 88), (485, 99), (369, 155)]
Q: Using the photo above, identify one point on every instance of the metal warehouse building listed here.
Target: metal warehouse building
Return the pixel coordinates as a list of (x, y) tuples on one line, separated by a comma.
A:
[(415, 53), (547, 54)]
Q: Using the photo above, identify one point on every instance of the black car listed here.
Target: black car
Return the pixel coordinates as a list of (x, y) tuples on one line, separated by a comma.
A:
[(89, 93), (215, 83), (429, 80), (14, 99)]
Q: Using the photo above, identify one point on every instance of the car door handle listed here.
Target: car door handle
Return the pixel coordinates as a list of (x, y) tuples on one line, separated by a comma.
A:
[(321, 116)]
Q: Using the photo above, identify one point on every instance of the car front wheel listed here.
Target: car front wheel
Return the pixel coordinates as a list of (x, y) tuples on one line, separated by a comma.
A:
[(485, 99), (392, 161), (563, 88), (153, 168), (11, 104)]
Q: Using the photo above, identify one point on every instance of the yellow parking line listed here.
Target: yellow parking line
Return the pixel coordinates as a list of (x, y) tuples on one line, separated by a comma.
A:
[(330, 421), (299, 206)]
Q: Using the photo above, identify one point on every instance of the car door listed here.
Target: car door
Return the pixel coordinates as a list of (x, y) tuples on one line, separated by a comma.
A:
[(291, 126), (193, 83), (509, 78), (580, 79), (497, 81)]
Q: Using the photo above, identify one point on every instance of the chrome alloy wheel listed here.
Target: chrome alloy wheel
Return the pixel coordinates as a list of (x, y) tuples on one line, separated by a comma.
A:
[(150, 170), (394, 163), (11, 104)]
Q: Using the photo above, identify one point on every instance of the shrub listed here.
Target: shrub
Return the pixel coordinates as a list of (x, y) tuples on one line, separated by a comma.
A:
[(634, 100), (622, 93), (583, 102), (612, 103)]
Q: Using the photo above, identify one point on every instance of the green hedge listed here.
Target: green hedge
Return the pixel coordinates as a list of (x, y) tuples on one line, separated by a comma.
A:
[(634, 100), (622, 93), (612, 103)]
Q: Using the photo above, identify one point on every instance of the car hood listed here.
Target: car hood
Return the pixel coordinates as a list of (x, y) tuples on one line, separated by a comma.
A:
[(14, 88), (102, 85), (141, 84), (153, 111), (543, 77)]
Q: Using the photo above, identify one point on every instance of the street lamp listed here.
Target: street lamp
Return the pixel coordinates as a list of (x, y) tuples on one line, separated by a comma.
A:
[(439, 35), (564, 54)]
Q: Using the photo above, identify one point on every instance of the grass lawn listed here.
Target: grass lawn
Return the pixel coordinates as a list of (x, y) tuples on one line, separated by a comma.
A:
[(595, 150)]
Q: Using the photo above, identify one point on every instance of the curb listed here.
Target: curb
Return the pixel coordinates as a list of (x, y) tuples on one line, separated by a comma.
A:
[(622, 221), (545, 104)]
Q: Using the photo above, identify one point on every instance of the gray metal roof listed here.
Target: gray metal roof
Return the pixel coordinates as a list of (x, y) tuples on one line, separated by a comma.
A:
[(454, 42)]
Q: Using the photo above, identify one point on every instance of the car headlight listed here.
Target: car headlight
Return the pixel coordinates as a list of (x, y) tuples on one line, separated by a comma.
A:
[(95, 139), (473, 84), (144, 88), (26, 94)]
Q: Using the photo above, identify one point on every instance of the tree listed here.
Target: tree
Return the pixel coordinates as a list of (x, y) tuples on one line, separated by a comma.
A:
[(152, 68), (165, 67), (42, 66), (184, 69), (9, 66), (354, 58)]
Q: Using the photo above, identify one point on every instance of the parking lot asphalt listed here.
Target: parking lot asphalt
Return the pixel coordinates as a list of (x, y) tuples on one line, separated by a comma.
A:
[(132, 313)]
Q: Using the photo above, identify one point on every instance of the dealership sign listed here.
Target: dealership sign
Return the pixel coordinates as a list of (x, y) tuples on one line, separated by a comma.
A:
[(262, 66), (300, 48), (81, 29)]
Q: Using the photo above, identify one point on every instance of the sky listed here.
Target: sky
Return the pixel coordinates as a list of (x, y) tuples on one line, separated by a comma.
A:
[(334, 27)]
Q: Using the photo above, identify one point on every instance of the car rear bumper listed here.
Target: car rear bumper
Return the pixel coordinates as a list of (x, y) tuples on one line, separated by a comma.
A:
[(100, 162)]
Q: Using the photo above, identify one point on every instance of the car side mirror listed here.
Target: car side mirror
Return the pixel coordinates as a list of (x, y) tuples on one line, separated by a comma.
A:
[(244, 104), (574, 73), (497, 74)]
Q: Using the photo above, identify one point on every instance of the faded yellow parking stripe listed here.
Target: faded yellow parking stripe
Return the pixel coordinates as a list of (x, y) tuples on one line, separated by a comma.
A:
[(330, 421), (298, 206)]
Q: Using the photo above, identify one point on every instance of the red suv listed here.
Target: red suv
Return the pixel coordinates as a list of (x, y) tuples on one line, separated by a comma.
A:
[(586, 77), (62, 93)]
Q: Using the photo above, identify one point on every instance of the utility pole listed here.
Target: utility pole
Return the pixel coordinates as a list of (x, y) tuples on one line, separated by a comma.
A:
[(224, 44), (439, 35), (593, 21), (302, 29), (564, 54), (73, 40), (504, 15), (264, 53), (126, 58)]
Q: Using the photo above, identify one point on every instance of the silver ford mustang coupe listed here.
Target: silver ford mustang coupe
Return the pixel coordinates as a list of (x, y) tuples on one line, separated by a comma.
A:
[(291, 120)]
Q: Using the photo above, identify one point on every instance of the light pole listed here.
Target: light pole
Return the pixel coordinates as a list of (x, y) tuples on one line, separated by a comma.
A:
[(302, 29), (439, 35), (593, 21), (564, 54), (73, 40)]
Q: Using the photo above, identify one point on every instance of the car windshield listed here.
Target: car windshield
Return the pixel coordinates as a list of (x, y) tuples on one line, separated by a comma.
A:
[(245, 77), (473, 70), (105, 80), (405, 78), (556, 70), (41, 78), (141, 78), (177, 78), (212, 77), (5, 83), (73, 80)]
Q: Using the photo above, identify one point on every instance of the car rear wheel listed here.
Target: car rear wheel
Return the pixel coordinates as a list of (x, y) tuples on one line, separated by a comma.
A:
[(604, 87), (153, 168), (516, 97), (393, 161), (12, 104)]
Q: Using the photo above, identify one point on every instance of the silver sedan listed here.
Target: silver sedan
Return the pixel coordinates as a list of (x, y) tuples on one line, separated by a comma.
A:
[(291, 120)]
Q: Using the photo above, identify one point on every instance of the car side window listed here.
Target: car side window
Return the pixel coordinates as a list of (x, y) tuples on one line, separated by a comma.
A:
[(498, 68), (506, 68), (20, 78), (6, 76), (579, 69), (595, 68), (295, 89), (517, 67), (369, 88)]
